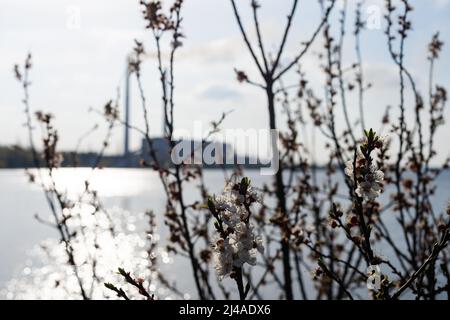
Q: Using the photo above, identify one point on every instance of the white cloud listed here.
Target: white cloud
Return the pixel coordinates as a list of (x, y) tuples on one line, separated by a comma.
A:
[(441, 3)]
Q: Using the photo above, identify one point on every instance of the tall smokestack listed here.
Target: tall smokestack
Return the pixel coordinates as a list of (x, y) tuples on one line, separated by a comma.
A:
[(126, 147)]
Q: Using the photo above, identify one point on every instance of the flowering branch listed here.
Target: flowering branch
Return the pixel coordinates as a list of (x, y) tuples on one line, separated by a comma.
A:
[(236, 243)]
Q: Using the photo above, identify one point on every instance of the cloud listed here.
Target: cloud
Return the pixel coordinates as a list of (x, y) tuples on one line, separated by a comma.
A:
[(441, 3), (225, 50), (384, 76), (220, 92)]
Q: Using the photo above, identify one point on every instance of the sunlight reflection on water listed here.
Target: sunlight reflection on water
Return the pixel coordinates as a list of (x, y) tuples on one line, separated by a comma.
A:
[(110, 182), (50, 277), (126, 194)]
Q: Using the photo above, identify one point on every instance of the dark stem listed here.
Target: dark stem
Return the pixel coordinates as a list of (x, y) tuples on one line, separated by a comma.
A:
[(240, 283), (281, 196)]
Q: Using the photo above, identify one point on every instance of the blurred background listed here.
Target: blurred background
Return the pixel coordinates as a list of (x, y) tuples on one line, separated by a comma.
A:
[(80, 51)]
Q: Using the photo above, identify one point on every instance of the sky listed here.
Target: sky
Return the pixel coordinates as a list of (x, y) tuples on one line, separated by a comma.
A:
[(79, 50)]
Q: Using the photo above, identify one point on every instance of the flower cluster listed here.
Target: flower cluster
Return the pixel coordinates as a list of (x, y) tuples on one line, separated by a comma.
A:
[(236, 244), (241, 75), (135, 59), (369, 179), (53, 159), (435, 46), (156, 19), (238, 248), (111, 111)]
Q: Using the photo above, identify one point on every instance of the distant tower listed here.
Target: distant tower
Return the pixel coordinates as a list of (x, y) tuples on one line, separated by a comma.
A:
[(126, 147)]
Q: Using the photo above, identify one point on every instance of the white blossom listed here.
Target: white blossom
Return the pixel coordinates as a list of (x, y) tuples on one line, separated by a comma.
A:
[(230, 213), (223, 257), (241, 245), (235, 196), (369, 180), (370, 187), (349, 169)]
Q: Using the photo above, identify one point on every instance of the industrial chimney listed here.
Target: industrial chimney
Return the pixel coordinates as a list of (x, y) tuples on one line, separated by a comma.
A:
[(126, 147)]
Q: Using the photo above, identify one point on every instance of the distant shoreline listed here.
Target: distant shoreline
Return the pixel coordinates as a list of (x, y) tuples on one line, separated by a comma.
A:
[(149, 168)]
